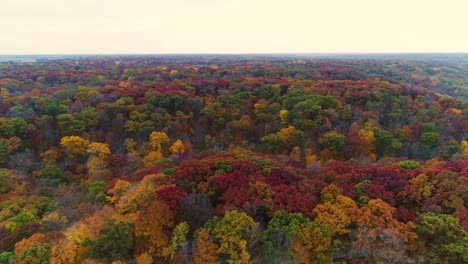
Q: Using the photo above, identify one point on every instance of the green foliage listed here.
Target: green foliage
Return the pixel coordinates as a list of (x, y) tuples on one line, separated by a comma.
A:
[(235, 233), (97, 186), (53, 176), (169, 171), (36, 254), (335, 142), (16, 126), (6, 257), (444, 239), (178, 239), (35, 205), (273, 143), (19, 220), (430, 139), (115, 242), (163, 161), (359, 190), (4, 180), (279, 234), (54, 108), (409, 164)]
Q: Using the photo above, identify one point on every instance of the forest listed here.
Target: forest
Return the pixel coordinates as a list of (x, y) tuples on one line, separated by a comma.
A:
[(233, 159)]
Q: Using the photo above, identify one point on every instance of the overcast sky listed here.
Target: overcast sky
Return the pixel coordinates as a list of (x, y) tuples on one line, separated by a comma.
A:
[(232, 26)]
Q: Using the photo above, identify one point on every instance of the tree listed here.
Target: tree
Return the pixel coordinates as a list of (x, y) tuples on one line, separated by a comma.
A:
[(178, 239), (75, 146), (280, 234), (335, 142), (100, 149), (444, 240), (177, 147), (115, 242), (157, 139), (206, 249), (152, 228), (430, 139), (235, 234), (335, 210)]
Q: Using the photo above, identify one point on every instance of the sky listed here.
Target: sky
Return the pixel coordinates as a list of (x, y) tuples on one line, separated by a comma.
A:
[(232, 26)]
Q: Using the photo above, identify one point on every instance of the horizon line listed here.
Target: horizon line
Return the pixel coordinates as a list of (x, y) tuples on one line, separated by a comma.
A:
[(240, 53)]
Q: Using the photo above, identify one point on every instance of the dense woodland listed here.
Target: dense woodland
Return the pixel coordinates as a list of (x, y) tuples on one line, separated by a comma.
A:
[(233, 159)]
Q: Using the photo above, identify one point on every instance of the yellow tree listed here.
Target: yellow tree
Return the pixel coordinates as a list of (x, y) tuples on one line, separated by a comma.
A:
[(75, 146), (157, 139), (135, 195), (100, 149), (177, 147), (283, 115), (335, 210), (97, 162), (464, 147), (152, 228)]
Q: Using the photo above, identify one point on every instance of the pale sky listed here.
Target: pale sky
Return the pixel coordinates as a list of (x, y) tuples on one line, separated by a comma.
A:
[(232, 26)]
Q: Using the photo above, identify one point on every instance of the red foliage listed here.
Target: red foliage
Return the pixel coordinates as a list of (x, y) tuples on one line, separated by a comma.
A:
[(281, 176), (138, 175), (404, 215), (463, 218), (172, 195), (287, 198), (189, 173)]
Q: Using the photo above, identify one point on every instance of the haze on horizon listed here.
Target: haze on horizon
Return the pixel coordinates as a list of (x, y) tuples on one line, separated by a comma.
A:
[(232, 26)]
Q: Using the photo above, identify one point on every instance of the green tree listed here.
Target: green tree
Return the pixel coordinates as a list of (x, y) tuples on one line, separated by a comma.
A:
[(235, 234), (335, 142), (444, 240), (115, 242)]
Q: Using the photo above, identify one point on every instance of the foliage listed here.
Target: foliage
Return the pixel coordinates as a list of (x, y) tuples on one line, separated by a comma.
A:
[(115, 242), (213, 159)]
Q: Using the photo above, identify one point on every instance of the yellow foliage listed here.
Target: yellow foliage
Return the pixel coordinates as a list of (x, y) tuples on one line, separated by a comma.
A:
[(131, 200), (64, 253), (173, 73), (464, 147), (100, 149), (130, 144), (158, 138), (119, 189), (86, 94), (55, 219), (90, 227), (50, 156), (177, 147), (74, 145), (367, 135), (283, 115), (179, 237), (286, 133), (295, 154), (336, 213), (151, 158), (95, 163)]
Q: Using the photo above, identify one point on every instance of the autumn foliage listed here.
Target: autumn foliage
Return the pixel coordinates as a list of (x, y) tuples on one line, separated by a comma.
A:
[(233, 159)]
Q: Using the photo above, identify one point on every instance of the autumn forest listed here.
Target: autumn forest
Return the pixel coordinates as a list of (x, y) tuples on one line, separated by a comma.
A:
[(234, 159)]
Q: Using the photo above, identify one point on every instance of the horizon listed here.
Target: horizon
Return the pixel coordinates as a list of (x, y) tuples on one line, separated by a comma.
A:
[(235, 54)]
